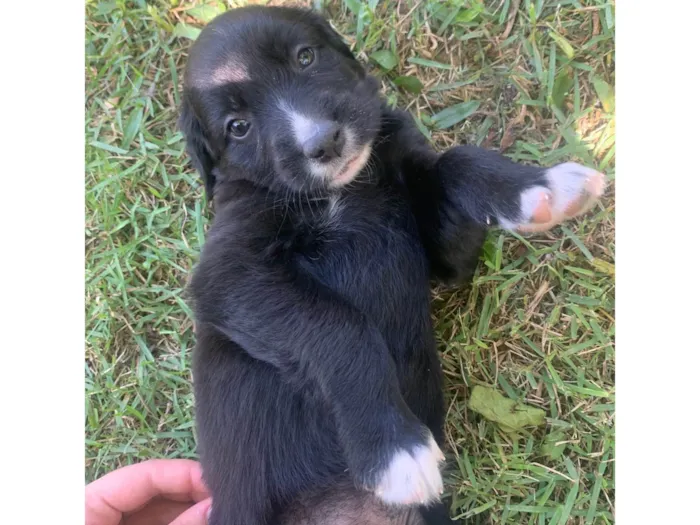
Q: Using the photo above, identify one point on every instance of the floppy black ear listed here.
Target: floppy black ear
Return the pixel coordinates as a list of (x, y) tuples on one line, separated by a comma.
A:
[(197, 146)]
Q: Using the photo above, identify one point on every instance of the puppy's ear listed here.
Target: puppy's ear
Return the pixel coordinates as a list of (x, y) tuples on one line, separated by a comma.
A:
[(334, 39), (197, 145)]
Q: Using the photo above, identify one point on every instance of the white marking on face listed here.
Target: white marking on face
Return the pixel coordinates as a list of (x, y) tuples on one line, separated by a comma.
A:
[(302, 126), (339, 171), (233, 70)]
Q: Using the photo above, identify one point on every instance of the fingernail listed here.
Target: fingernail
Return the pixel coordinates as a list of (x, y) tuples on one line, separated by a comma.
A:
[(208, 514)]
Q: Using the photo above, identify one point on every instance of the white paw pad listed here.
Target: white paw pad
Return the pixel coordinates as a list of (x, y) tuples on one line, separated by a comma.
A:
[(573, 190), (413, 477)]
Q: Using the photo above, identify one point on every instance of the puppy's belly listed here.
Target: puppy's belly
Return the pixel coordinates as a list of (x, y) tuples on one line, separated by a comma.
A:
[(343, 504), (381, 271)]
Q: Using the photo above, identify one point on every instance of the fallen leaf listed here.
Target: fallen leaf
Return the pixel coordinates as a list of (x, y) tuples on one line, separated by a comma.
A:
[(410, 84), (552, 448), (563, 44), (354, 6), (467, 15), (454, 114), (603, 266), (385, 58), (429, 63), (562, 85), (510, 415), (606, 94), (205, 13), (186, 31)]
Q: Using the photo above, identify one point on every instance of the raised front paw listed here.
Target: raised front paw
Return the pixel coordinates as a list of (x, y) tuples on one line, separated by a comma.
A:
[(571, 190), (402, 471)]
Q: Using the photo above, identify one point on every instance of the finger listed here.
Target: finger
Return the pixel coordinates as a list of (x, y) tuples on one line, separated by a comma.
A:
[(195, 515), (129, 488), (157, 512)]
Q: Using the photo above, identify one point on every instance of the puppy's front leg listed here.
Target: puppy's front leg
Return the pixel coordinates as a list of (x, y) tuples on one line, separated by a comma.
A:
[(495, 191), (247, 290), (457, 195), (466, 190)]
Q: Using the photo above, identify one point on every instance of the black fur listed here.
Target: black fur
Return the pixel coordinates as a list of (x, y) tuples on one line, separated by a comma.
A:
[(315, 357)]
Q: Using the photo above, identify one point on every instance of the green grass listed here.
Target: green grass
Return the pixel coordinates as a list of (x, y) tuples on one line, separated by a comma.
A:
[(532, 77)]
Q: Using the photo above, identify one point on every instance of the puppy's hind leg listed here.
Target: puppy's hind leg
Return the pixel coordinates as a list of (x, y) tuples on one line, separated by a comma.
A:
[(261, 441)]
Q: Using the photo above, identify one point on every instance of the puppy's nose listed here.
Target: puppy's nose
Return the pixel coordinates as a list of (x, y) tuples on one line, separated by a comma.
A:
[(324, 141)]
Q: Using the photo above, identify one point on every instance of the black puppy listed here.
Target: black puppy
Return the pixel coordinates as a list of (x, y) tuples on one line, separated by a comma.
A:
[(317, 381)]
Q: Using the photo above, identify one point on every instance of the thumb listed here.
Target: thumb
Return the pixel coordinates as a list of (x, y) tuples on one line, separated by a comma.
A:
[(195, 515)]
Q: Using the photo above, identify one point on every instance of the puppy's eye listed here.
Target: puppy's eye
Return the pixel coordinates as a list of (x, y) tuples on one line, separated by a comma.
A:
[(305, 57), (238, 127)]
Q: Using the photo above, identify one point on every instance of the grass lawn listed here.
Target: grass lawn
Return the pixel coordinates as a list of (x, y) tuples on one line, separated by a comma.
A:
[(531, 77)]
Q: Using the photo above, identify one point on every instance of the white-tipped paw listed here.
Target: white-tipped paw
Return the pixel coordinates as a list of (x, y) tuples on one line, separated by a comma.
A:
[(573, 190), (413, 477)]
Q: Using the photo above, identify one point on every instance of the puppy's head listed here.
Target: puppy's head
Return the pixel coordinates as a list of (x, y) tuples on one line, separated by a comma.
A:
[(273, 96)]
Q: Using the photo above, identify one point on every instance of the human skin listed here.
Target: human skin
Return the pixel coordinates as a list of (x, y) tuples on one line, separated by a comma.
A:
[(154, 492)]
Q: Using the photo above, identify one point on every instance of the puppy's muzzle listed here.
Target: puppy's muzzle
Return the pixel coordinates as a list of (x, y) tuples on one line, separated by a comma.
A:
[(322, 140)]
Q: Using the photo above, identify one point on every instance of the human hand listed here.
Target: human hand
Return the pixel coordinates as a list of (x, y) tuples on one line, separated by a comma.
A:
[(155, 492)]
